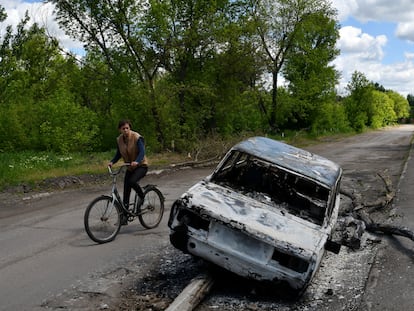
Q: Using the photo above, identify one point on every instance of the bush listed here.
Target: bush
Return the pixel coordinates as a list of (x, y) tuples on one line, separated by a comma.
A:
[(66, 126)]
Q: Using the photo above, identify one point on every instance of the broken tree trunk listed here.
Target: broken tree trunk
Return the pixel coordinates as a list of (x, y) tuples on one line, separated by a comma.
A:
[(191, 296)]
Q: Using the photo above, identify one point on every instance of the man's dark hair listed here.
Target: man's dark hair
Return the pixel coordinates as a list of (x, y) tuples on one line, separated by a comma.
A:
[(123, 122)]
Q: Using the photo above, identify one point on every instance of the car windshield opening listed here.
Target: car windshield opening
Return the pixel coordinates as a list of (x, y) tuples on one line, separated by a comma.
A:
[(269, 183)]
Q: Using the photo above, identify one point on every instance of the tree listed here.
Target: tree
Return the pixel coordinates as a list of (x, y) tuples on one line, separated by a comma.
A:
[(312, 78), (213, 62), (357, 104), (122, 31), (193, 29), (3, 14), (381, 112), (368, 105), (173, 50), (278, 26), (410, 99), (401, 105), (38, 98)]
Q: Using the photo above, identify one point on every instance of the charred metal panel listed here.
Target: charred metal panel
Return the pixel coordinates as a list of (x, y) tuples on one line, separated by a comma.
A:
[(294, 159), (266, 212), (255, 218)]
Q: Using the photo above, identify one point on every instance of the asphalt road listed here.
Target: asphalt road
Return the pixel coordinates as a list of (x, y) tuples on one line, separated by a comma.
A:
[(391, 281), (45, 250), (48, 262)]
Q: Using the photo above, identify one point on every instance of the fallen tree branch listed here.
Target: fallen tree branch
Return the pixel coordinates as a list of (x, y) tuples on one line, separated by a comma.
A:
[(355, 198), (388, 197), (389, 229), (195, 163), (363, 210)]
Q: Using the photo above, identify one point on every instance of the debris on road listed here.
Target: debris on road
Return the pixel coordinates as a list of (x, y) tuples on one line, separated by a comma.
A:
[(191, 296)]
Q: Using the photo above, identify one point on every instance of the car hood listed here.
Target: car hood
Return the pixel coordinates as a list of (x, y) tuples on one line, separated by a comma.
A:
[(262, 221)]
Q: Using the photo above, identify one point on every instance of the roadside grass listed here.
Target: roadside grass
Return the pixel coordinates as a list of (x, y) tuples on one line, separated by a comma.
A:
[(30, 167)]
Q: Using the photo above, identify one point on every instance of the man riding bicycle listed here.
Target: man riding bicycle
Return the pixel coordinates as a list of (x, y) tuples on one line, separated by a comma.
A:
[(130, 146)]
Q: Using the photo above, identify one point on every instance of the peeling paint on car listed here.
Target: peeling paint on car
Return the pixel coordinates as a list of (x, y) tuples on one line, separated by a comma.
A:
[(266, 212)]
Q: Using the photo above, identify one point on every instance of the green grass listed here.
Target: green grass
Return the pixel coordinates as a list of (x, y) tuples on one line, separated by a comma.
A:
[(30, 167)]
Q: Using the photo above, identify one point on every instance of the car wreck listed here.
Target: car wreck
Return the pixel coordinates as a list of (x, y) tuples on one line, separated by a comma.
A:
[(266, 213)]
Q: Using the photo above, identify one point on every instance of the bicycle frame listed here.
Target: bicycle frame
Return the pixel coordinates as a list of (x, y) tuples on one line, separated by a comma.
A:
[(115, 193), (102, 224), (117, 197)]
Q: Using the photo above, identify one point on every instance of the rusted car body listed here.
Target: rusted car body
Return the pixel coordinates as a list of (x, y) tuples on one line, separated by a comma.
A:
[(266, 212)]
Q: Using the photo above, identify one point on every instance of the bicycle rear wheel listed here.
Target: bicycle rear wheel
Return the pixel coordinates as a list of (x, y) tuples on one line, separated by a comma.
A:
[(152, 209), (102, 219)]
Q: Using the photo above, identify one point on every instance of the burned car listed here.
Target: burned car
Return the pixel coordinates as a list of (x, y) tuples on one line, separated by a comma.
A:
[(266, 213)]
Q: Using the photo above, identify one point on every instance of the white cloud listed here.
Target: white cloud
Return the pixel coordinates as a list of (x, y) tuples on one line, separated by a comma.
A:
[(384, 10), (409, 55), (405, 31), (400, 12), (397, 76), (375, 10), (365, 52), (40, 13), (345, 8), (353, 40)]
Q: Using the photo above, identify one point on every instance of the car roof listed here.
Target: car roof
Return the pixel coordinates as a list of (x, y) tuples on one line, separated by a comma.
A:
[(292, 158)]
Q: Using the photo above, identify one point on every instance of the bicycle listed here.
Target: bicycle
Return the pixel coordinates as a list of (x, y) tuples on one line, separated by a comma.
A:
[(102, 219)]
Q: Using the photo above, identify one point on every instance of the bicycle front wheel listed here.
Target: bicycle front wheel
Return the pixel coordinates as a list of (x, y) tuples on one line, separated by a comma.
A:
[(102, 219), (152, 210)]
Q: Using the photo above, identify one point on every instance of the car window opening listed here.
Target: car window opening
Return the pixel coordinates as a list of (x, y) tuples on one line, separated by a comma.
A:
[(288, 192)]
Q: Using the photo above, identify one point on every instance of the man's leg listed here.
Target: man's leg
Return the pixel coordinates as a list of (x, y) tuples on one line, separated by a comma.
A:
[(135, 177), (131, 181), (127, 193), (127, 188)]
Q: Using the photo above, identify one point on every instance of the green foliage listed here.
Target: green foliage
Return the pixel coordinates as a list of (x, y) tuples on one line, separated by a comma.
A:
[(3, 14), (33, 166), (369, 106), (38, 86), (289, 29), (410, 99), (12, 129), (401, 105), (57, 128), (180, 71), (311, 77), (382, 110), (331, 118), (357, 104)]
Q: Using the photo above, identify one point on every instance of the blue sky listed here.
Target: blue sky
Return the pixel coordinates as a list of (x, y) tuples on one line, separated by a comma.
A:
[(376, 38), (393, 50)]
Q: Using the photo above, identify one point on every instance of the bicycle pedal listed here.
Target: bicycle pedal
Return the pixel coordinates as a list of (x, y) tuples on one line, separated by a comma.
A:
[(124, 220)]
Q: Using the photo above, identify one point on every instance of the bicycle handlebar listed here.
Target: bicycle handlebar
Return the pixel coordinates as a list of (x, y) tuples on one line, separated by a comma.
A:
[(116, 172)]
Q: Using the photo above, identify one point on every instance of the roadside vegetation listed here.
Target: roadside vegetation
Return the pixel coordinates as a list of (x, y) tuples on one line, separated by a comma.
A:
[(188, 74), (32, 167)]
